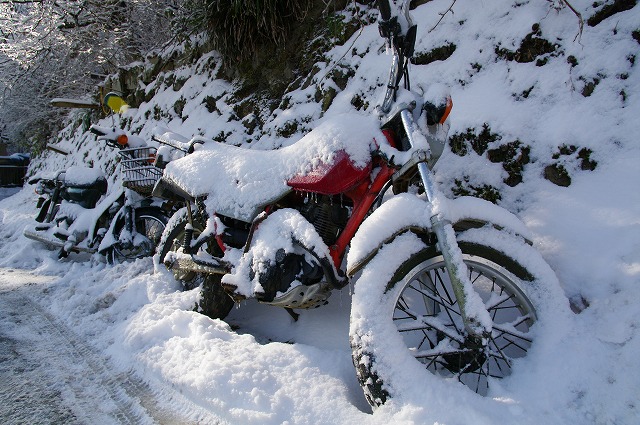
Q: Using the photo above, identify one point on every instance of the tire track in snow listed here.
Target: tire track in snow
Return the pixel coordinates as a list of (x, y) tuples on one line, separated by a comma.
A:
[(48, 375)]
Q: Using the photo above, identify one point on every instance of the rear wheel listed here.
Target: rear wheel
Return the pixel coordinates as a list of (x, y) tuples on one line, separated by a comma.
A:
[(214, 301), (418, 305)]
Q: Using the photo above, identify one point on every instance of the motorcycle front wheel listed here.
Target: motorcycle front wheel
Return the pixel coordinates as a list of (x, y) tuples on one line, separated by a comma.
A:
[(415, 315), (213, 302), (149, 225)]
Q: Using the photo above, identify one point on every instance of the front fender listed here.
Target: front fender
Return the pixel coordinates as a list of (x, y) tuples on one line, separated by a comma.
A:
[(109, 238), (407, 212)]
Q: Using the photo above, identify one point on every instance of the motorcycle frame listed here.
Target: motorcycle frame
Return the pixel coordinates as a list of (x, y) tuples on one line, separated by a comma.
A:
[(363, 196)]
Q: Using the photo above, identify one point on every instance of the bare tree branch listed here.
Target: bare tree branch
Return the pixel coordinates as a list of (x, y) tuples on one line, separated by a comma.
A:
[(49, 48), (443, 14), (580, 20)]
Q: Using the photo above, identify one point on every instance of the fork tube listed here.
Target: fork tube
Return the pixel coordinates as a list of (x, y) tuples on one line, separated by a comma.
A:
[(55, 196), (129, 213), (389, 95), (188, 231), (477, 322)]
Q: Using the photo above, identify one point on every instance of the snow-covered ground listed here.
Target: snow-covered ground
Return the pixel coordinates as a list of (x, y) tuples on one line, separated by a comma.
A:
[(260, 367)]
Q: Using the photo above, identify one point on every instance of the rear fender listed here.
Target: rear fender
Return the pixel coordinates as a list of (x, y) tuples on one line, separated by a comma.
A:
[(409, 213), (166, 189)]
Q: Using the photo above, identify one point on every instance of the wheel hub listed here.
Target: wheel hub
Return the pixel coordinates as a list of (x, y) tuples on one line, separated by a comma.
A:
[(465, 361)]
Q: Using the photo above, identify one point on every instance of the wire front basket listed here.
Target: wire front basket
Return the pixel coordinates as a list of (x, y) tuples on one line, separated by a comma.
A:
[(139, 173)]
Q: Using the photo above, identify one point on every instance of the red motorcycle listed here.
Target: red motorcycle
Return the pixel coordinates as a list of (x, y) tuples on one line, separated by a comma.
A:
[(453, 285)]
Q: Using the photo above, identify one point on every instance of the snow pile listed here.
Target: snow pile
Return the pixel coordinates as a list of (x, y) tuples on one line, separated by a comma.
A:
[(261, 367), (82, 176)]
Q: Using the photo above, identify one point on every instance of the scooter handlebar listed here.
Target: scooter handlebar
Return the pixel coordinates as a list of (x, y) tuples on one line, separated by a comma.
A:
[(385, 9)]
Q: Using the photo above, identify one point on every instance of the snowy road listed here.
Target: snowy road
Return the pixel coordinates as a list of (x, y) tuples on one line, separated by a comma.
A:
[(48, 375)]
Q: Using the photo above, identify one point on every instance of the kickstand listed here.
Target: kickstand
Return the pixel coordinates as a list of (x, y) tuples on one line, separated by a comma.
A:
[(292, 314)]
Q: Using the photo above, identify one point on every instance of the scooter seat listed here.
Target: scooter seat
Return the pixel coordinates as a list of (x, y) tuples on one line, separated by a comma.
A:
[(86, 178)]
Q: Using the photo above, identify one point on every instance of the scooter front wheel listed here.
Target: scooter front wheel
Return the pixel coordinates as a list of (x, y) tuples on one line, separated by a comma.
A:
[(149, 226)]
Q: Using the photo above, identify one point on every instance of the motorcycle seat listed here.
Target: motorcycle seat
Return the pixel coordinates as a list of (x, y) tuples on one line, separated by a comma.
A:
[(240, 182)]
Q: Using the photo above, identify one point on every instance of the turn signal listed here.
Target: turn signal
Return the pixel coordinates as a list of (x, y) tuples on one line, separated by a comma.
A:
[(122, 140), (447, 110), (438, 112)]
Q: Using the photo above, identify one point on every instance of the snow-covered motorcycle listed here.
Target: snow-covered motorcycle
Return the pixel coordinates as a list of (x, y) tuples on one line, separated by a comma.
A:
[(76, 214), (451, 285)]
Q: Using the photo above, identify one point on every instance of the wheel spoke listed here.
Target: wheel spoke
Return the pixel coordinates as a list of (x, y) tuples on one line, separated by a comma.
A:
[(513, 343), (499, 300), (430, 321), (444, 348), (500, 355), (438, 300), (445, 289), (512, 332), (428, 317), (422, 321)]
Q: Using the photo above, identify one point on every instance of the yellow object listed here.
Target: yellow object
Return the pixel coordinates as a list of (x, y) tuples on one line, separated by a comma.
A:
[(115, 103)]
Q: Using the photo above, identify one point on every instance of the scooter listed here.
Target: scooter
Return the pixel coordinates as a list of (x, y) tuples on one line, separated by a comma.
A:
[(78, 214)]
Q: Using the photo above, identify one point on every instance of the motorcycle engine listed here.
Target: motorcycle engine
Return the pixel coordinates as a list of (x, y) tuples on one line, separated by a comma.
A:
[(297, 280), (328, 214), (290, 270)]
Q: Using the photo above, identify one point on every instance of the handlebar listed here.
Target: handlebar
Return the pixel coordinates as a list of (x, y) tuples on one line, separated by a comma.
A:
[(187, 148), (49, 182), (385, 9), (193, 144), (97, 130), (398, 28), (112, 137)]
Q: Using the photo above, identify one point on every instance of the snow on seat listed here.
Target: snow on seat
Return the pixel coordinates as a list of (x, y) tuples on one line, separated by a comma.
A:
[(85, 178), (239, 182)]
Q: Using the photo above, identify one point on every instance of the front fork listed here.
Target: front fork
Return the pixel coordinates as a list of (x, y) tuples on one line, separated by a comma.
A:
[(126, 237), (476, 318), (188, 232)]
